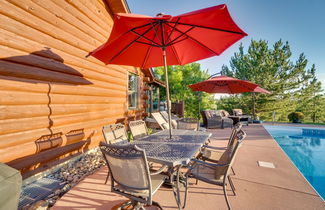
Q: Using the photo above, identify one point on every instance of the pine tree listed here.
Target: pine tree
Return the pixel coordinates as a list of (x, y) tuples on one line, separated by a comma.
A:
[(272, 68)]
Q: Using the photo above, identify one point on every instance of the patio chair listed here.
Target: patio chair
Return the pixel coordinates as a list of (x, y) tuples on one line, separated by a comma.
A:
[(164, 114), (217, 173), (138, 129), (180, 123), (130, 175), (216, 119), (213, 154), (119, 132), (160, 120), (114, 134)]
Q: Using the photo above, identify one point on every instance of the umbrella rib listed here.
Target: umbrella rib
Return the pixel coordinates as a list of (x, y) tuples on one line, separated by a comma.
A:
[(156, 32), (146, 57), (216, 29), (139, 27), (196, 41), (153, 45), (182, 34), (170, 34), (176, 42), (145, 38), (176, 55), (129, 45)]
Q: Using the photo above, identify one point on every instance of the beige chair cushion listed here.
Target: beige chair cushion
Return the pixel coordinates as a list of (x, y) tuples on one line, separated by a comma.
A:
[(174, 124), (213, 113), (219, 113), (224, 113), (237, 112), (207, 114)]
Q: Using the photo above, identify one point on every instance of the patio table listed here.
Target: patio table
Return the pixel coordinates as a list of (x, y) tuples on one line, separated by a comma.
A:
[(174, 153), (179, 136), (239, 118)]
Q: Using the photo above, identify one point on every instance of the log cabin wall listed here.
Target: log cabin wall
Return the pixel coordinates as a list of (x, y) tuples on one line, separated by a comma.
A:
[(47, 86)]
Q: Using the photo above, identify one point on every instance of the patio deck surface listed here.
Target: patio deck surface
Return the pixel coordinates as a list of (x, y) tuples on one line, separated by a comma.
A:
[(282, 187)]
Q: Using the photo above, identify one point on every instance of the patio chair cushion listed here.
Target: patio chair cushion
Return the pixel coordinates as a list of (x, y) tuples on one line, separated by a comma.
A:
[(156, 181), (174, 124), (219, 113), (224, 113), (237, 112), (213, 113), (207, 113)]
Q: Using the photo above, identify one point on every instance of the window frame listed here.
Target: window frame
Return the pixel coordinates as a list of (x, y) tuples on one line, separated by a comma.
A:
[(130, 91)]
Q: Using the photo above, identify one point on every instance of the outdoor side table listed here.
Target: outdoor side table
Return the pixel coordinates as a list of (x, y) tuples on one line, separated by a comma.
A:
[(240, 118)]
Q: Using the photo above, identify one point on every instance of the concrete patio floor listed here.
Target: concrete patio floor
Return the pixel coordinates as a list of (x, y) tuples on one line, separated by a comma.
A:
[(282, 187)]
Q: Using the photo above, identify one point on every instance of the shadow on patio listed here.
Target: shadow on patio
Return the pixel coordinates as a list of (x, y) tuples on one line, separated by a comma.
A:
[(257, 187)]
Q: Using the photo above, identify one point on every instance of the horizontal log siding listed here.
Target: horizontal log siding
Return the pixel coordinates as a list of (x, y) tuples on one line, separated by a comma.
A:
[(46, 83)]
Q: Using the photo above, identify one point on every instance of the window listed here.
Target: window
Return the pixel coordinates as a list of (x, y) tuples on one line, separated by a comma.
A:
[(133, 91)]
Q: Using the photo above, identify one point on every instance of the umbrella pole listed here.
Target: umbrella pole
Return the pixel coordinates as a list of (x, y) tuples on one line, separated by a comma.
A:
[(253, 96), (167, 93), (198, 114)]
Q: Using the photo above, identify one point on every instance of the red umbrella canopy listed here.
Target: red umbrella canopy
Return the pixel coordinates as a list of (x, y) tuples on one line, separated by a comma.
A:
[(224, 84), (138, 40)]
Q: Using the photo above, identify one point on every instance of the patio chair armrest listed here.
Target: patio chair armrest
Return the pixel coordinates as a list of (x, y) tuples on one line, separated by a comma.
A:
[(159, 170), (214, 118), (212, 147), (208, 163)]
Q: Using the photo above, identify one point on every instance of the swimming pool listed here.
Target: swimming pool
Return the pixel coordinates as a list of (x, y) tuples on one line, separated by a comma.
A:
[(306, 149)]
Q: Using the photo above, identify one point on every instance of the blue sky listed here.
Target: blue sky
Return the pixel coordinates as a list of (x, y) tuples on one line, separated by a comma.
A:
[(301, 22)]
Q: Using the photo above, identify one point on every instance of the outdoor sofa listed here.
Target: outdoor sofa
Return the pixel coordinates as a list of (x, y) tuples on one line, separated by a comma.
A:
[(216, 119)]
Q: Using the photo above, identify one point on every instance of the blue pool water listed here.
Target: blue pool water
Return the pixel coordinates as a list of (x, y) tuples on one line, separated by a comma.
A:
[(306, 149)]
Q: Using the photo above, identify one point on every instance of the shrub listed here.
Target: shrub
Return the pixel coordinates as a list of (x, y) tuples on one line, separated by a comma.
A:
[(296, 117)]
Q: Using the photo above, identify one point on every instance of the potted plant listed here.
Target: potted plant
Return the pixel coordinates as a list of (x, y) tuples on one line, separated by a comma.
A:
[(296, 117)]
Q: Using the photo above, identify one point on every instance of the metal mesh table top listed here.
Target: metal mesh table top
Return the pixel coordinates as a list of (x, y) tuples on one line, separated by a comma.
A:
[(169, 153), (178, 136), (183, 145)]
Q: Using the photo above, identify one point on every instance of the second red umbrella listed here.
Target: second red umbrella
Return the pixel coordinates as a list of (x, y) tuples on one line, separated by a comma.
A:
[(224, 84)]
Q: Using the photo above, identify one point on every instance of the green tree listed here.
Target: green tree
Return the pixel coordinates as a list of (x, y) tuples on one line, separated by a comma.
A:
[(272, 68), (310, 97), (179, 79)]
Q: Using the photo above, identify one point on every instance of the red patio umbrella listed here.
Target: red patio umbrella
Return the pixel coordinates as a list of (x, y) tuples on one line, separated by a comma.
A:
[(224, 84), (145, 42)]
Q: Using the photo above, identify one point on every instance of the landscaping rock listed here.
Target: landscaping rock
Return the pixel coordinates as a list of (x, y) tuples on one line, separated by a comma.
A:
[(72, 173)]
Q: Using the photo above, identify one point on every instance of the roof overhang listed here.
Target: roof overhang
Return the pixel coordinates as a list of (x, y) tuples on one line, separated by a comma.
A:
[(118, 6), (152, 79)]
